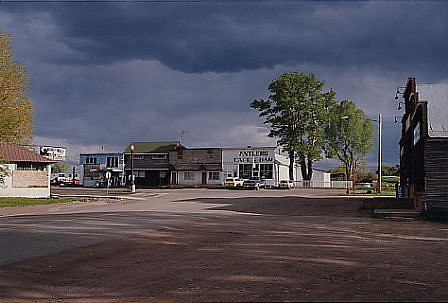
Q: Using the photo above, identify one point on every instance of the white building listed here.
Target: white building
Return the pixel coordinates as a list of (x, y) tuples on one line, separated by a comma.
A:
[(28, 172), (269, 163), (264, 162)]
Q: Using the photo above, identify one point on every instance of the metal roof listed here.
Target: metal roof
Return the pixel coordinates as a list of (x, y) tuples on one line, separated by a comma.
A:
[(13, 153), (153, 147), (437, 97)]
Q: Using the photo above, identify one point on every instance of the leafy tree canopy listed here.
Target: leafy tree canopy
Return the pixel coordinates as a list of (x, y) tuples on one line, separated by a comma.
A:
[(349, 135), (297, 112), (4, 171), (390, 170), (59, 167), (15, 107)]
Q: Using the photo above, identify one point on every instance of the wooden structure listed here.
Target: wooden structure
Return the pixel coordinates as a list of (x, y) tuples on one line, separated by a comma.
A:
[(150, 162), (196, 167), (424, 145)]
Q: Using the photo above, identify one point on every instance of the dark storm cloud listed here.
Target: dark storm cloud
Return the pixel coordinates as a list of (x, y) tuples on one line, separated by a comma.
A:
[(117, 72), (233, 37)]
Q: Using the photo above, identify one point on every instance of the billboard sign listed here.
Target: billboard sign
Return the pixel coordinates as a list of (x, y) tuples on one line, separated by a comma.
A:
[(53, 153)]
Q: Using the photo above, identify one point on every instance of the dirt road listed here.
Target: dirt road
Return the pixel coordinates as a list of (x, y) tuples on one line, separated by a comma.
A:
[(251, 246)]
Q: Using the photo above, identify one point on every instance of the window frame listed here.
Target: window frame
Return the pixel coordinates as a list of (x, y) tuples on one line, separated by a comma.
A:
[(189, 175), (214, 175)]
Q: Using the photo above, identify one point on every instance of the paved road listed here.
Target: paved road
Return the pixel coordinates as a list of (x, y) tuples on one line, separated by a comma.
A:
[(219, 245), (27, 232)]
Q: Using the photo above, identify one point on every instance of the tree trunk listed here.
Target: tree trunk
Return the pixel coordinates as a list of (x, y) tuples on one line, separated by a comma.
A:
[(291, 165), (303, 170), (347, 172), (310, 170), (347, 177)]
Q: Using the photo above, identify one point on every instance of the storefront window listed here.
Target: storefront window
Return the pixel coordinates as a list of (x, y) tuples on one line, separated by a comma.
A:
[(213, 175), (245, 171), (266, 171)]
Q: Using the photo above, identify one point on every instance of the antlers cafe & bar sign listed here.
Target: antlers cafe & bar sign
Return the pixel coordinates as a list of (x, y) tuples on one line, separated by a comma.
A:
[(253, 156)]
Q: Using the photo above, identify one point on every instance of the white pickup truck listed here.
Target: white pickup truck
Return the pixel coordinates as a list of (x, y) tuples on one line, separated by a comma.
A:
[(62, 179), (57, 178)]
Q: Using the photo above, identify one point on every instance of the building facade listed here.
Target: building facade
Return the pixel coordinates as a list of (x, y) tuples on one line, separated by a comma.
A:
[(259, 162), (94, 167), (28, 172), (424, 145), (149, 162), (196, 167)]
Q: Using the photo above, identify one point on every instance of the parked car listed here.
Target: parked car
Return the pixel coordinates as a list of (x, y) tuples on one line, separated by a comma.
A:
[(254, 183), (286, 184), (57, 178), (233, 182)]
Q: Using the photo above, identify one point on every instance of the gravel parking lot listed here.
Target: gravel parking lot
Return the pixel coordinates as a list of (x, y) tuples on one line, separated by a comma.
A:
[(218, 245)]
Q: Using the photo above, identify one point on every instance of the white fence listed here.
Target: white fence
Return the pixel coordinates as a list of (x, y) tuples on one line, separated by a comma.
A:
[(322, 184)]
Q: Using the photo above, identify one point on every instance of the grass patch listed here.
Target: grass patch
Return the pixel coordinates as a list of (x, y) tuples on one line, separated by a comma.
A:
[(11, 202), (383, 193)]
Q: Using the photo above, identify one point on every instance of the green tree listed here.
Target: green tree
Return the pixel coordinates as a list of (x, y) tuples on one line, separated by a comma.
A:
[(349, 136), (364, 175), (295, 111), (390, 170), (59, 167), (15, 107), (4, 171)]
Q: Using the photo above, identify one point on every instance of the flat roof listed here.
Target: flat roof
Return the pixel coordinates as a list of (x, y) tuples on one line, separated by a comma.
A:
[(252, 147)]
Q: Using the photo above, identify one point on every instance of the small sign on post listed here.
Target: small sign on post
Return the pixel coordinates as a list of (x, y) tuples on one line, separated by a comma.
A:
[(108, 176)]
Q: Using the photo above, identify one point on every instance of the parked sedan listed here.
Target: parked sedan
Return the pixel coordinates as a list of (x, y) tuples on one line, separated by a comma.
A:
[(233, 182), (254, 183), (286, 184)]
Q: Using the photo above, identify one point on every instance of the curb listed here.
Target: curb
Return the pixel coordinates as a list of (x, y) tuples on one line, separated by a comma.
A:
[(89, 196)]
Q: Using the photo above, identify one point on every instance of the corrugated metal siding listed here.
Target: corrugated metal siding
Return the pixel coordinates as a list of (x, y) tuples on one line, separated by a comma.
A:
[(14, 153), (437, 97)]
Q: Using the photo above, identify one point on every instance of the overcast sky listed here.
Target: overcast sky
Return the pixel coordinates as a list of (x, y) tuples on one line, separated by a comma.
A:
[(111, 73)]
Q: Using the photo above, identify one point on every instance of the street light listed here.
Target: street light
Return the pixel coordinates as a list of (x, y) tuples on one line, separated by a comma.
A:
[(380, 137), (132, 169)]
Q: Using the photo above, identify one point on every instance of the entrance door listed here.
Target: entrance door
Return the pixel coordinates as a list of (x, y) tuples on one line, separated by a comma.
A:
[(174, 178), (204, 178)]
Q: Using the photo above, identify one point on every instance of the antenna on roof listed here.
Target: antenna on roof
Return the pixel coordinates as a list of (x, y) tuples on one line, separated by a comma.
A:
[(181, 135)]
